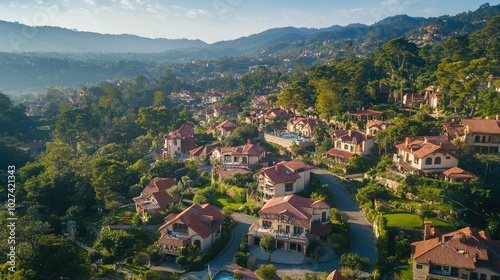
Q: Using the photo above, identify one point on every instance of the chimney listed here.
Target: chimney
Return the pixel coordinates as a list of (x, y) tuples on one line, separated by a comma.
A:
[(276, 168), (497, 117), (427, 229), (248, 142), (407, 141), (349, 132), (425, 140)]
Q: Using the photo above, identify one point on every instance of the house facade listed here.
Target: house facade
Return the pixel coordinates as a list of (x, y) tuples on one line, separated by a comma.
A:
[(227, 111), (413, 100), (374, 126), (240, 156), (301, 126), (154, 196), (427, 154), (349, 143), (199, 225), (225, 128), (179, 142), (462, 254), (291, 220), (284, 178), (481, 135), (432, 96)]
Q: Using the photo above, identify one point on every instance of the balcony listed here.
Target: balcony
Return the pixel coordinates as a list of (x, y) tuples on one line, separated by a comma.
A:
[(170, 243), (258, 230)]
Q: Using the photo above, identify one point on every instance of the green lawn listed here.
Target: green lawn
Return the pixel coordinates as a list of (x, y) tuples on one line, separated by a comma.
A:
[(120, 213), (407, 220), (225, 200), (405, 273)]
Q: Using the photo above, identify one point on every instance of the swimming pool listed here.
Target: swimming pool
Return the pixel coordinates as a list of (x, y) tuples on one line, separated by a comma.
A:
[(224, 276)]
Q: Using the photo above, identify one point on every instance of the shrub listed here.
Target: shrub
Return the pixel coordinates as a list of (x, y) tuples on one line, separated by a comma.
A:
[(240, 259)]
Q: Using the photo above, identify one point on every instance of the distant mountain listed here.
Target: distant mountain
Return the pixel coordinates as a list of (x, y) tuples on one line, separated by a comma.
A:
[(22, 38)]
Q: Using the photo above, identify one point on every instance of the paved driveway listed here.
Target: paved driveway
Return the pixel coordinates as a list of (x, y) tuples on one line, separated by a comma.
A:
[(362, 237), (225, 259)]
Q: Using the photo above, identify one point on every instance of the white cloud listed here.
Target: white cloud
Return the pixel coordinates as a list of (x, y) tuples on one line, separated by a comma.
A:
[(196, 12)]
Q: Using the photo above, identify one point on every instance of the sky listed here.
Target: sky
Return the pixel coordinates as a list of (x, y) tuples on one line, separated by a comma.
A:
[(216, 20)]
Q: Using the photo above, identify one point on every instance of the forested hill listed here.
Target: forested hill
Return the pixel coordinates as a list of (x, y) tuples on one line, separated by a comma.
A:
[(22, 38)]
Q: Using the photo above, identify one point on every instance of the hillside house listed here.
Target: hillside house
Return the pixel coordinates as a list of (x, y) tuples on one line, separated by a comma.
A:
[(291, 220), (154, 196), (349, 143), (284, 178), (425, 154), (481, 135), (199, 225), (244, 156), (179, 142)]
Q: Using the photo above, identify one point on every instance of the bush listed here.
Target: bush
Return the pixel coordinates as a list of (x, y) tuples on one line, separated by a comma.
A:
[(240, 259), (200, 199), (266, 271)]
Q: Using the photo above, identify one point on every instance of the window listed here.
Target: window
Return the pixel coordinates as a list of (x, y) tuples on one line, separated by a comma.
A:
[(428, 161), (447, 157), (236, 159), (476, 139), (415, 160), (494, 277), (244, 160), (437, 160), (419, 266), (323, 216), (227, 159), (352, 149), (288, 187), (346, 147), (175, 142), (484, 139), (180, 227)]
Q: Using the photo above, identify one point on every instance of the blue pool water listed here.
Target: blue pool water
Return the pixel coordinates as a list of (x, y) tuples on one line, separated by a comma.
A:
[(224, 276)]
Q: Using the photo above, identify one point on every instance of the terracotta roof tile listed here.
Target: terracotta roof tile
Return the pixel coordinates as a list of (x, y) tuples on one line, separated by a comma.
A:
[(366, 113), (461, 249), (248, 149), (336, 275), (339, 153), (158, 185), (176, 242), (285, 171), (294, 206), (195, 217), (204, 150), (230, 172), (228, 107), (355, 137), (229, 125), (456, 172), (482, 126), (377, 123), (422, 146), (319, 229)]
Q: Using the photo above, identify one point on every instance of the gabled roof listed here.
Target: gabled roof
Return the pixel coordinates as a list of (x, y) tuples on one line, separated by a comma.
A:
[(458, 173), (336, 275), (202, 219), (229, 125), (377, 123), (320, 229), (422, 146), (482, 126), (248, 149), (231, 172), (285, 171), (158, 185), (464, 248), (204, 150), (186, 130), (350, 136), (339, 153), (294, 206)]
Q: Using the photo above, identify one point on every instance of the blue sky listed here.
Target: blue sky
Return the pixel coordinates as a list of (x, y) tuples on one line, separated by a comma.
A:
[(215, 20)]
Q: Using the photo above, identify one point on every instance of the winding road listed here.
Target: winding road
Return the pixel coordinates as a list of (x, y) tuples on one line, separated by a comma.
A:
[(362, 237)]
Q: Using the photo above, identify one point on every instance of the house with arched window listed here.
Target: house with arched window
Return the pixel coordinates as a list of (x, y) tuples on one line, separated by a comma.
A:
[(425, 154)]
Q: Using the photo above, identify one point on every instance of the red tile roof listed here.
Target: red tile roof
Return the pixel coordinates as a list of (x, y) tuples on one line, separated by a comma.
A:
[(319, 229), (336, 275), (422, 146), (484, 126), (158, 185), (229, 125), (350, 136), (248, 149), (377, 123), (294, 206), (456, 173), (204, 150), (339, 153), (230, 172), (464, 248), (202, 219), (285, 171), (176, 242), (186, 130)]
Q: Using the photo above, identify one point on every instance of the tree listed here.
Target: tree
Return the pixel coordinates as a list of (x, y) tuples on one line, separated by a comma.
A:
[(355, 264), (159, 98), (268, 244), (116, 243), (266, 272)]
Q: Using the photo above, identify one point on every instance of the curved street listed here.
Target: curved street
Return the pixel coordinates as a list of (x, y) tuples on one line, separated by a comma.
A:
[(362, 237)]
